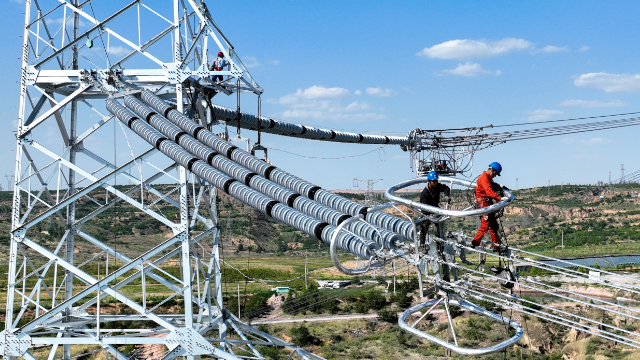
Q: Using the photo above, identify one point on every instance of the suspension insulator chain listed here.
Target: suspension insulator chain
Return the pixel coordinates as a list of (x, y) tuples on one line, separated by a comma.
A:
[(238, 111)]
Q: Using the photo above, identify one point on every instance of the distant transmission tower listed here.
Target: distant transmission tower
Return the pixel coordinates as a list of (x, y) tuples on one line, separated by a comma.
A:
[(369, 195), (621, 173), (8, 181)]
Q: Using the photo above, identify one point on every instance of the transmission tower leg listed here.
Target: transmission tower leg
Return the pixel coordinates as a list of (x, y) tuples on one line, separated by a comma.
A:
[(15, 215), (71, 208), (222, 326)]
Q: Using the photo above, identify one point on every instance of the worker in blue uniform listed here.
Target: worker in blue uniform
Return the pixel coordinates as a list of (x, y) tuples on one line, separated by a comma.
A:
[(431, 196)]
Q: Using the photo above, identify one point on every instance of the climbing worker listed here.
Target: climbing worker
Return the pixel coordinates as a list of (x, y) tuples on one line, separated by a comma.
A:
[(443, 166), (431, 196), (485, 196), (218, 65)]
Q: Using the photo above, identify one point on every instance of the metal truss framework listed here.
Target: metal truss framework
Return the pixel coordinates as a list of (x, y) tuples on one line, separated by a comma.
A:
[(67, 310)]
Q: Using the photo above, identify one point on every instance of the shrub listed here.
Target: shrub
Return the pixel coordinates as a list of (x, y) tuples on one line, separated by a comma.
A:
[(455, 311), (270, 352), (374, 300), (387, 315), (531, 303), (371, 325), (401, 299), (592, 344)]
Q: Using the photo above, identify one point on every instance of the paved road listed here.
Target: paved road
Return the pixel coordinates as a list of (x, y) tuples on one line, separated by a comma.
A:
[(325, 318)]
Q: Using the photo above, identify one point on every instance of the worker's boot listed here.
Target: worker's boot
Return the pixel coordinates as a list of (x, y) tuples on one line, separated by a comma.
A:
[(497, 246)]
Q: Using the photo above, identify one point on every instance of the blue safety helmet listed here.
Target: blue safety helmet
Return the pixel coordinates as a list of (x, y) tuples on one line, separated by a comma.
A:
[(496, 166), (432, 175)]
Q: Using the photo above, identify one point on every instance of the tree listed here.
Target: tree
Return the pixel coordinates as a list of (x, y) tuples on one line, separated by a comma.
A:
[(302, 337)]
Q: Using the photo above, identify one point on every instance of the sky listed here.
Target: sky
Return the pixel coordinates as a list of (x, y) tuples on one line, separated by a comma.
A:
[(387, 68)]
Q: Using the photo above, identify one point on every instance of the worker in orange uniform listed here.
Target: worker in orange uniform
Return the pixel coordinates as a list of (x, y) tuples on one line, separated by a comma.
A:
[(485, 196), (218, 65)]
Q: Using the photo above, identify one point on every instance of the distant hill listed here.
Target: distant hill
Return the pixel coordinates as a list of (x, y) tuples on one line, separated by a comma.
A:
[(589, 216)]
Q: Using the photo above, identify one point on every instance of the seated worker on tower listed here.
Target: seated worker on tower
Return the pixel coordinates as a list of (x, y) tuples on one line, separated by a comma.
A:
[(442, 166), (485, 196), (431, 196), (218, 65)]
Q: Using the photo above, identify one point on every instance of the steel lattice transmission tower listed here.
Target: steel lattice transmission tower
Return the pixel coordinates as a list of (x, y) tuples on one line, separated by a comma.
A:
[(369, 196), (76, 54)]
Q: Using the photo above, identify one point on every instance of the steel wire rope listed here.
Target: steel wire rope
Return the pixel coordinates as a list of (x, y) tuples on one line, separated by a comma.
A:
[(542, 132), (352, 290), (566, 271), (305, 296), (550, 308), (274, 281), (309, 300), (115, 210), (153, 203), (101, 39), (244, 304), (298, 303), (630, 175), (575, 130), (549, 317), (526, 330), (559, 319), (527, 123), (561, 130), (563, 120), (540, 289), (508, 264)]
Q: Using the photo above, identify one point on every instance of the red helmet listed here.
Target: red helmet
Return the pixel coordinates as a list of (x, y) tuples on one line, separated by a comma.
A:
[(220, 53)]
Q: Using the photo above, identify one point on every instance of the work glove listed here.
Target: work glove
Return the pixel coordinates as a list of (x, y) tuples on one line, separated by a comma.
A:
[(504, 198)]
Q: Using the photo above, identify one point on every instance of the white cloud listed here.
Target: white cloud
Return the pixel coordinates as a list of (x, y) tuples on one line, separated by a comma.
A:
[(536, 115), (119, 50), (323, 103), (378, 91), (551, 49), (610, 82), (593, 103), (469, 69), (250, 62), (592, 141), (357, 92), (595, 141), (584, 48), (274, 62), (469, 49), (314, 93)]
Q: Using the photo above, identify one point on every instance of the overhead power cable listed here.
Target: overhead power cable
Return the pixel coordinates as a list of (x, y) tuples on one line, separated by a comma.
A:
[(563, 120), (489, 139)]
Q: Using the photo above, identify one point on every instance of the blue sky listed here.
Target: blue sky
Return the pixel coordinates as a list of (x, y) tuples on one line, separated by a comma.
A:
[(389, 67)]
